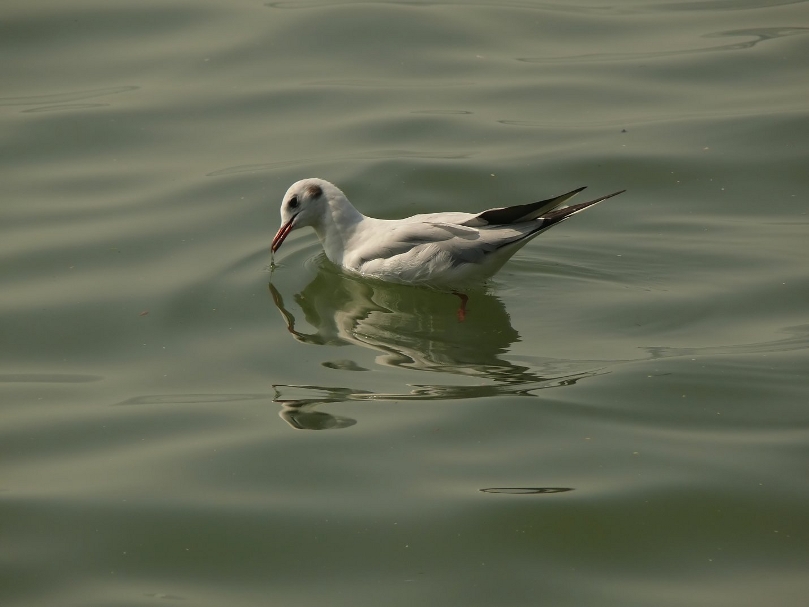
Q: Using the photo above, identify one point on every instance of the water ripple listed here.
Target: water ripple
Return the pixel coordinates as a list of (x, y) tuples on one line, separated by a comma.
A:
[(168, 399), (63, 98), (65, 106), (758, 34), (715, 5), (385, 84), (441, 112), (723, 5), (369, 155), (48, 378), (526, 490)]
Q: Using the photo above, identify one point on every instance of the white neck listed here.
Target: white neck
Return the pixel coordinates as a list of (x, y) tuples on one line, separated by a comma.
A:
[(339, 222)]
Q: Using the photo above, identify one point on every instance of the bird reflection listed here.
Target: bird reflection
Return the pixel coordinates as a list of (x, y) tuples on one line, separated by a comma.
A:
[(410, 327)]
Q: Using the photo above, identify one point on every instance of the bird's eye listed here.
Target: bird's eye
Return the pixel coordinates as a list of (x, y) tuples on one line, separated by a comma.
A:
[(293, 202)]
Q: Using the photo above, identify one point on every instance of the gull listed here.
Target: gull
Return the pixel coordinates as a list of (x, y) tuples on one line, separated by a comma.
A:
[(434, 249)]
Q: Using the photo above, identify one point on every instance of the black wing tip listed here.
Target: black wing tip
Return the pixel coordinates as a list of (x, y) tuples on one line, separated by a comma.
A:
[(599, 199), (584, 187), (565, 212), (569, 194)]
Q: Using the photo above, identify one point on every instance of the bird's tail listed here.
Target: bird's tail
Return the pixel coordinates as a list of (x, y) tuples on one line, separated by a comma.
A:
[(559, 215)]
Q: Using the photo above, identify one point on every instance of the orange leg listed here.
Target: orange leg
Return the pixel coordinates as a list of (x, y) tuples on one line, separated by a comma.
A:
[(462, 309)]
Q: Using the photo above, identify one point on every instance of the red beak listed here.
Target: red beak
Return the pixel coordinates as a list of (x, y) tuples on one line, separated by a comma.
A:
[(281, 235)]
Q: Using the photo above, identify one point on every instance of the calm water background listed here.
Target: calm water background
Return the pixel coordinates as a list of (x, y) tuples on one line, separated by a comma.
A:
[(622, 418)]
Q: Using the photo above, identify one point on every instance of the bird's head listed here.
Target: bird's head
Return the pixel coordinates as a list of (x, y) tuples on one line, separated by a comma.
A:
[(304, 204)]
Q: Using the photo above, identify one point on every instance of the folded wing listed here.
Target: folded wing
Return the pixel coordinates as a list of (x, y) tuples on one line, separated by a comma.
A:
[(471, 241), (521, 212)]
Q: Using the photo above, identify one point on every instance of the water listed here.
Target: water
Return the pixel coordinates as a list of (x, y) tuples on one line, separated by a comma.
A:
[(621, 419)]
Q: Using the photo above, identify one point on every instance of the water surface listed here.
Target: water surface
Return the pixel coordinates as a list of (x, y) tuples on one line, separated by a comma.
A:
[(621, 417)]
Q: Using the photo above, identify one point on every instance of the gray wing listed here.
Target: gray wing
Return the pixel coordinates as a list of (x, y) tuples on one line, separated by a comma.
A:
[(472, 240), (462, 243)]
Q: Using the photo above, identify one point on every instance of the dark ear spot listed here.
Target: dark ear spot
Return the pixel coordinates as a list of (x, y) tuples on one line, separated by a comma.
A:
[(314, 191)]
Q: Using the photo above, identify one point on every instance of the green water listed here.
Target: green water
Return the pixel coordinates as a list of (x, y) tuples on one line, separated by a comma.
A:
[(621, 419)]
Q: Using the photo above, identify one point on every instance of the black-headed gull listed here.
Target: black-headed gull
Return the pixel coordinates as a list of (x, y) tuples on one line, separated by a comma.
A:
[(448, 248)]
